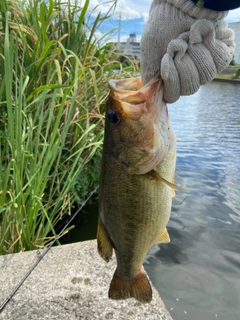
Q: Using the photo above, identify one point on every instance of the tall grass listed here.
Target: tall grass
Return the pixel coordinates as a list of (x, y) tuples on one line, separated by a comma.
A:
[(53, 86)]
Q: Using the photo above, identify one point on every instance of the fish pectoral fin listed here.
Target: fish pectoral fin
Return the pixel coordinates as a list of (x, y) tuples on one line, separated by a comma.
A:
[(139, 288), (155, 175), (104, 243), (164, 238), (173, 191)]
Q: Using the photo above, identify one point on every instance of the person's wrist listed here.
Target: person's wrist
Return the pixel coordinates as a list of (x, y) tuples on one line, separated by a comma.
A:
[(194, 11), (217, 5)]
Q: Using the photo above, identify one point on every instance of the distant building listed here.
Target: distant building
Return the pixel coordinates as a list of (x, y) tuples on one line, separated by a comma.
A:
[(235, 26), (131, 48)]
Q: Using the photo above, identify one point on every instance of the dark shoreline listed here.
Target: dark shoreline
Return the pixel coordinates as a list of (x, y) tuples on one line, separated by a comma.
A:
[(235, 81)]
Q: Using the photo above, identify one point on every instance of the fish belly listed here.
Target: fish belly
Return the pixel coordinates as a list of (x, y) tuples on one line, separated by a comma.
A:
[(134, 211)]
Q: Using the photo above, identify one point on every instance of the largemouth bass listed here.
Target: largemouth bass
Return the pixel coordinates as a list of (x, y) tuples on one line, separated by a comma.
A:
[(135, 197)]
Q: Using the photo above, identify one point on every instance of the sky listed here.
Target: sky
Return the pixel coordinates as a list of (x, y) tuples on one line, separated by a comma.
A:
[(134, 15)]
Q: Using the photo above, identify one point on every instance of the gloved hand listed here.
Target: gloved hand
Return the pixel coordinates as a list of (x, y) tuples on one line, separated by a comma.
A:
[(188, 45)]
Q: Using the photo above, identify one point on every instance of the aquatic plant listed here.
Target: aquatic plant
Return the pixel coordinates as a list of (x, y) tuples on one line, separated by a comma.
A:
[(53, 85)]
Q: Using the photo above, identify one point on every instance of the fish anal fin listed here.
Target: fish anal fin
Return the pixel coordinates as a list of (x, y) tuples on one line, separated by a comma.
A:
[(164, 238), (139, 288), (104, 243)]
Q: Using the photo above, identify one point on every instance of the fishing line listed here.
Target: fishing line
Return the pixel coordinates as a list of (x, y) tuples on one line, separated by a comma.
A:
[(3, 305)]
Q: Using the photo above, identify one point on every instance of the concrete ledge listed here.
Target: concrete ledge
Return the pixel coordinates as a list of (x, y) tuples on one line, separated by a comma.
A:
[(71, 282)]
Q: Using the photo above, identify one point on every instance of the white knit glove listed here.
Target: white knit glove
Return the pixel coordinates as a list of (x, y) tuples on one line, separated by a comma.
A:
[(188, 45)]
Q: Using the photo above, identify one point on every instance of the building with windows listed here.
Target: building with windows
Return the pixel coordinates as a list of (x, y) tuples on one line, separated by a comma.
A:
[(235, 26), (131, 48)]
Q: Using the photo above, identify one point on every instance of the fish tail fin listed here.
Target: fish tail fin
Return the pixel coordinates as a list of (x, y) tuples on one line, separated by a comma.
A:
[(139, 288), (104, 243)]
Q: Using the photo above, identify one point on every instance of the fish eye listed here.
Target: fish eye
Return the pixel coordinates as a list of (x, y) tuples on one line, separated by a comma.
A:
[(114, 117)]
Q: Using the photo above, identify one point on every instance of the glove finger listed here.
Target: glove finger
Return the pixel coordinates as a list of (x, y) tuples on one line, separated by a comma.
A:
[(170, 78), (203, 61), (203, 32), (178, 61)]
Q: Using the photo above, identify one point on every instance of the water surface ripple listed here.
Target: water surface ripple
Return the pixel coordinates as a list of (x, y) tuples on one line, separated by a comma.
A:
[(197, 274)]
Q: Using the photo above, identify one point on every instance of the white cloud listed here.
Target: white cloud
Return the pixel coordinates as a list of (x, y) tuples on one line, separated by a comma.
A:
[(127, 11), (99, 6), (145, 16), (132, 9)]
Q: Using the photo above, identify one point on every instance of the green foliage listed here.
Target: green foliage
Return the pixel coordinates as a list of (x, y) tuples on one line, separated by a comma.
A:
[(53, 86), (233, 62), (88, 178), (237, 74)]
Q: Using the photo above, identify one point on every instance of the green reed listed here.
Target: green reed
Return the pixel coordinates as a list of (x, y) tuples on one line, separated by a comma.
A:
[(53, 86)]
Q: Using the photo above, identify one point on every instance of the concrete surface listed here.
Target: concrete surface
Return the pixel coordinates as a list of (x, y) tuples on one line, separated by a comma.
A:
[(71, 282)]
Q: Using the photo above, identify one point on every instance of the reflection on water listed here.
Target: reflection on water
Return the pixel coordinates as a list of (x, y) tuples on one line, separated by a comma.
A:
[(197, 274)]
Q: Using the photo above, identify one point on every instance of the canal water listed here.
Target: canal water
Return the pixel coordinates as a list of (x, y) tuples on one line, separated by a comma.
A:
[(198, 273)]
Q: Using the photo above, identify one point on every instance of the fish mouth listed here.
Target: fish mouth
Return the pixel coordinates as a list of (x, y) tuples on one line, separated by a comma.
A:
[(124, 87), (139, 142), (131, 92)]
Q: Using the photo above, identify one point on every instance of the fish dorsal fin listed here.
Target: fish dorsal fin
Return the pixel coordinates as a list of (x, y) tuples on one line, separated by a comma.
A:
[(164, 238)]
